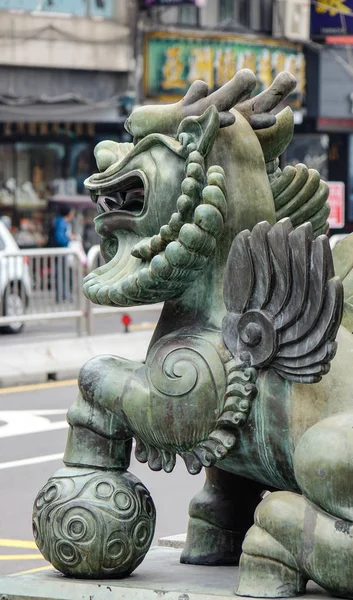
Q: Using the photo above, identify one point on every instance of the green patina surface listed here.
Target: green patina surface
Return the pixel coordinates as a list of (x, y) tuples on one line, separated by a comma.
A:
[(197, 214)]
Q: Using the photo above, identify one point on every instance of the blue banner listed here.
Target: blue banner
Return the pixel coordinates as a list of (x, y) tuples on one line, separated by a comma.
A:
[(331, 17)]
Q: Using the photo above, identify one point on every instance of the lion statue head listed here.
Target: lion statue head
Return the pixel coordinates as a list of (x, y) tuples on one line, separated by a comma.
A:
[(171, 202)]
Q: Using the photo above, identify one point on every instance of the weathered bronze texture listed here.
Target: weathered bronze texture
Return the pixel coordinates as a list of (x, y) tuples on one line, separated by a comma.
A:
[(197, 213)]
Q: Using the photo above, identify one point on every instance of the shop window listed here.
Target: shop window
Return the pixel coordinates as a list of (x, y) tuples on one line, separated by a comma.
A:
[(37, 168), (232, 13), (7, 175), (188, 15), (244, 13), (35, 171), (312, 150), (101, 8), (226, 11), (79, 164)]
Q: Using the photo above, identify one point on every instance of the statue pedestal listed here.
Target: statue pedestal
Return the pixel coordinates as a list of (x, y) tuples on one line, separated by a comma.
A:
[(159, 577)]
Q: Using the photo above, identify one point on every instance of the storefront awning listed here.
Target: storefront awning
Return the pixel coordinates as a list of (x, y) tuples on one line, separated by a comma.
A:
[(59, 95), (95, 112)]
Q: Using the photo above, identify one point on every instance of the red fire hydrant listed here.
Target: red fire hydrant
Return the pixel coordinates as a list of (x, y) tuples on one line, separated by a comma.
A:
[(126, 320)]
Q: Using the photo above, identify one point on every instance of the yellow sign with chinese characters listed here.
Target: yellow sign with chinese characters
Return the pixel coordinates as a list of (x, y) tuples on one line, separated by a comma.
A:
[(333, 7), (173, 62)]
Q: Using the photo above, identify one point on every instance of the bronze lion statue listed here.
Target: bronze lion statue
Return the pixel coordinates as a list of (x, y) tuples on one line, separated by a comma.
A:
[(248, 373)]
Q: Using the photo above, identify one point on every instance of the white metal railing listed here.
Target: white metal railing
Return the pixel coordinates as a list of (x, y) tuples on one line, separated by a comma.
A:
[(46, 284), (94, 260), (41, 284)]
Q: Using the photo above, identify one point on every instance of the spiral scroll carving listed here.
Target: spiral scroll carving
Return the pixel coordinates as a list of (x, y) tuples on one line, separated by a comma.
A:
[(187, 377), (179, 371), (93, 524)]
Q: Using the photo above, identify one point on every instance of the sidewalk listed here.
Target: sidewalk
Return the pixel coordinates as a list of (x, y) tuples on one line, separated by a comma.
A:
[(62, 359)]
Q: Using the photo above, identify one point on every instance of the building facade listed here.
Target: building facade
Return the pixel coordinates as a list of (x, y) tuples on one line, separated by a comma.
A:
[(65, 68), (71, 70)]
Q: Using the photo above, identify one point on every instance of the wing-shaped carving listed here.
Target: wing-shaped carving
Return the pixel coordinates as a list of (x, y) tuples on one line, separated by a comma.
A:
[(284, 303), (343, 261), (300, 194)]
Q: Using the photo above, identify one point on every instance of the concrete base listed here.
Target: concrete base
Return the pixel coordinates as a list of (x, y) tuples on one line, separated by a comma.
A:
[(161, 576), (172, 541)]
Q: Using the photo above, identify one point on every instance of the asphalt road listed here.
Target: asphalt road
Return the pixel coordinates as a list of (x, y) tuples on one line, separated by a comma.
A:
[(31, 443), (66, 328)]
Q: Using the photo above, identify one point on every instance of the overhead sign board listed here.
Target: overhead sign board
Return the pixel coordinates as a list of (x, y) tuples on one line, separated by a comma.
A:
[(174, 61), (331, 17)]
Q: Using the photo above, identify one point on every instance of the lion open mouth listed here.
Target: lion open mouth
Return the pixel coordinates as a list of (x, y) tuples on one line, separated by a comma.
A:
[(127, 195)]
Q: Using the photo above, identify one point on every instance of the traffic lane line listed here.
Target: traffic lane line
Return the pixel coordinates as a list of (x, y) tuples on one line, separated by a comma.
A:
[(38, 386), (46, 568), (142, 326), (26, 422), (19, 544), (32, 445), (25, 462), (7, 543), (21, 557)]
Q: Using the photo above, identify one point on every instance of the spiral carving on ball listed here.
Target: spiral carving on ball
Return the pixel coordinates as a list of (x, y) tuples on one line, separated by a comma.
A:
[(94, 524)]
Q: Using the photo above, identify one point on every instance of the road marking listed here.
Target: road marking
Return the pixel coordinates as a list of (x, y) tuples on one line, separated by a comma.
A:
[(4, 543), (31, 461), (18, 544), (142, 326), (46, 568), (38, 386), (21, 557), (20, 422)]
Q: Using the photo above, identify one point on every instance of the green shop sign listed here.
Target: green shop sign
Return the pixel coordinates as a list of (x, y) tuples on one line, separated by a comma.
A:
[(173, 62)]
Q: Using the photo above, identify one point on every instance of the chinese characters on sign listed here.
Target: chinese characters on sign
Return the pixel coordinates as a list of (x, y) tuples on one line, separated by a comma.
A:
[(336, 202), (332, 7), (173, 63), (331, 17)]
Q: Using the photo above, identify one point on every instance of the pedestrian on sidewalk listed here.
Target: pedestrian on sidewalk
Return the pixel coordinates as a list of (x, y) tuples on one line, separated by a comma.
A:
[(60, 236)]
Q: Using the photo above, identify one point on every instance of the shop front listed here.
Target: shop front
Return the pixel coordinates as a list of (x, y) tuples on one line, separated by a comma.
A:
[(42, 161), (46, 150)]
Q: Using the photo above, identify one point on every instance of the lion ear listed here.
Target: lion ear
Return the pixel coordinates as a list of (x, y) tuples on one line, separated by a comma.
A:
[(201, 131)]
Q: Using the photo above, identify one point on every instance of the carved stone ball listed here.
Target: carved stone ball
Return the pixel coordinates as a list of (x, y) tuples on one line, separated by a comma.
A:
[(94, 524)]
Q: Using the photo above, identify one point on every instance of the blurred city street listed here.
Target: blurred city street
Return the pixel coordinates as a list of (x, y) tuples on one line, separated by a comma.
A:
[(60, 329)]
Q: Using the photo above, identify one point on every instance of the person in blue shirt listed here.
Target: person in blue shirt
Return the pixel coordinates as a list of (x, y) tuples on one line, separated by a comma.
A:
[(61, 237), (61, 227)]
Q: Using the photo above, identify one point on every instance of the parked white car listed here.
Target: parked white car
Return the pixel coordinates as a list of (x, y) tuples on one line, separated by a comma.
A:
[(15, 281)]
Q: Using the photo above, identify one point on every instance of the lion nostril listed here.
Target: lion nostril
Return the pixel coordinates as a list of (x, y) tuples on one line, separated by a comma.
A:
[(105, 158), (127, 126)]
